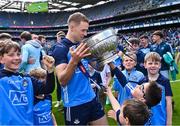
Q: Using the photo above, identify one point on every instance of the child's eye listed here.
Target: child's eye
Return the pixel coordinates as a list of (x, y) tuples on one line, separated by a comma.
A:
[(10, 54), (19, 54)]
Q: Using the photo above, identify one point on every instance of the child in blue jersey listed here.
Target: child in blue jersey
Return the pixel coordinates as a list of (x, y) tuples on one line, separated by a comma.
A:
[(132, 112), (43, 102), (17, 90), (162, 113), (132, 76)]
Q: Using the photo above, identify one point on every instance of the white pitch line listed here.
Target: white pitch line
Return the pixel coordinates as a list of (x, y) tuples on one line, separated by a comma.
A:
[(175, 81)]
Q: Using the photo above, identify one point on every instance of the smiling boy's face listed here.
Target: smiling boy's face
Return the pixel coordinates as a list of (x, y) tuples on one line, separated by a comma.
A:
[(129, 63), (152, 67), (11, 60), (139, 91)]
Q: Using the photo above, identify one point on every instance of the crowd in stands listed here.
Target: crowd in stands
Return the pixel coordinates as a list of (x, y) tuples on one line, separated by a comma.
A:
[(97, 12), (172, 35)]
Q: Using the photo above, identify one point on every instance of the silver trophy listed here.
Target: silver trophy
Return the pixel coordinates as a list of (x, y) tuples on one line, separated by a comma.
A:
[(102, 47)]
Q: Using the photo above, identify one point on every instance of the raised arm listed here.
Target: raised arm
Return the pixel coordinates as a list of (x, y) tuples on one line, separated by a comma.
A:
[(114, 102), (120, 76)]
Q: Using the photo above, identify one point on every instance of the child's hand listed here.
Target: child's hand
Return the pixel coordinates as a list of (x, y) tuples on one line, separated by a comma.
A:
[(111, 65), (48, 62), (108, 91), (111, 114)]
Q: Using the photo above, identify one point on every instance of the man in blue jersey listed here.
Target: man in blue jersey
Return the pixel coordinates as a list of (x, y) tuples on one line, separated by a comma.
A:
[(17, 90), (80, 105), (144, 44), (161, 47)]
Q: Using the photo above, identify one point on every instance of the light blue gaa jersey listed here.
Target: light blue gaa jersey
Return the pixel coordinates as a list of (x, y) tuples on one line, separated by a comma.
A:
[(78, 90), (125, 92), (159, 111), (116, 85), (16, 107), (42, 113), (120, 89)]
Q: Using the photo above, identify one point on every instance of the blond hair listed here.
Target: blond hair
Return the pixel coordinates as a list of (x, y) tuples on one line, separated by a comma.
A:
[(130, 55), (153, 56), (38, 73), (77, 18)]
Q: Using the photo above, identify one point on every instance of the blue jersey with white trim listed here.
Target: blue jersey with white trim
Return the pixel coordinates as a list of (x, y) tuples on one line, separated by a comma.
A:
[(42, 113), (17, 97), (78, 90), (132, 78), (16, 100), (159, 111)]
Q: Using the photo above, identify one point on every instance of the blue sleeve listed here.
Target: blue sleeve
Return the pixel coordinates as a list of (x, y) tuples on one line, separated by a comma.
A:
[(117, 116), (60, 54), (116, 85), (42, 88), (120, 76), (168, 90)]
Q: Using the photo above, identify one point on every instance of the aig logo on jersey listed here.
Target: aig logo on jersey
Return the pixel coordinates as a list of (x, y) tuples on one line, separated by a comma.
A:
[(44, 117), (18, 97)]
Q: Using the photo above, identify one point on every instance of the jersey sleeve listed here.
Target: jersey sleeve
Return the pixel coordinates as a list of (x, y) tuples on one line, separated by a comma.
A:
[(60, 54), (168, 90)]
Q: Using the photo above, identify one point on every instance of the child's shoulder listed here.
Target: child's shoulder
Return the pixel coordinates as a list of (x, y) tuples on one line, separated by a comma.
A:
[(162, 78)]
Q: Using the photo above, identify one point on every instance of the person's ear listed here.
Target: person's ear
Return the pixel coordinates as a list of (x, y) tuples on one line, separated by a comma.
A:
[(1, 59), (71, 26), (127, 121), (135, 63), (145, 65)]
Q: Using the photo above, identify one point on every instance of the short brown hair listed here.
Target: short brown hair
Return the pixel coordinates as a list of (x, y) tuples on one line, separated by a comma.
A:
[(60, 33), (77, 18), (144, 36), (40, 37), (136, 111), (38, 73), (26, 35), (4, 36), (153, 94), (154, 56), (134, 41), (159, 33), (9, 44)]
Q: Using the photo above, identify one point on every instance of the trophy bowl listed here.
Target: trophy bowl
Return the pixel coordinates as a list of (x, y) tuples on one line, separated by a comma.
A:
[(102, 48)]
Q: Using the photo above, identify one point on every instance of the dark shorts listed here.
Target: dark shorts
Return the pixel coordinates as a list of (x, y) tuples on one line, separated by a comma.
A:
[(83, 114)]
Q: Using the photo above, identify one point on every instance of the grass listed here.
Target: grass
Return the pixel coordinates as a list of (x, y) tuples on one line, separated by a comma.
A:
[(176, 113)]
